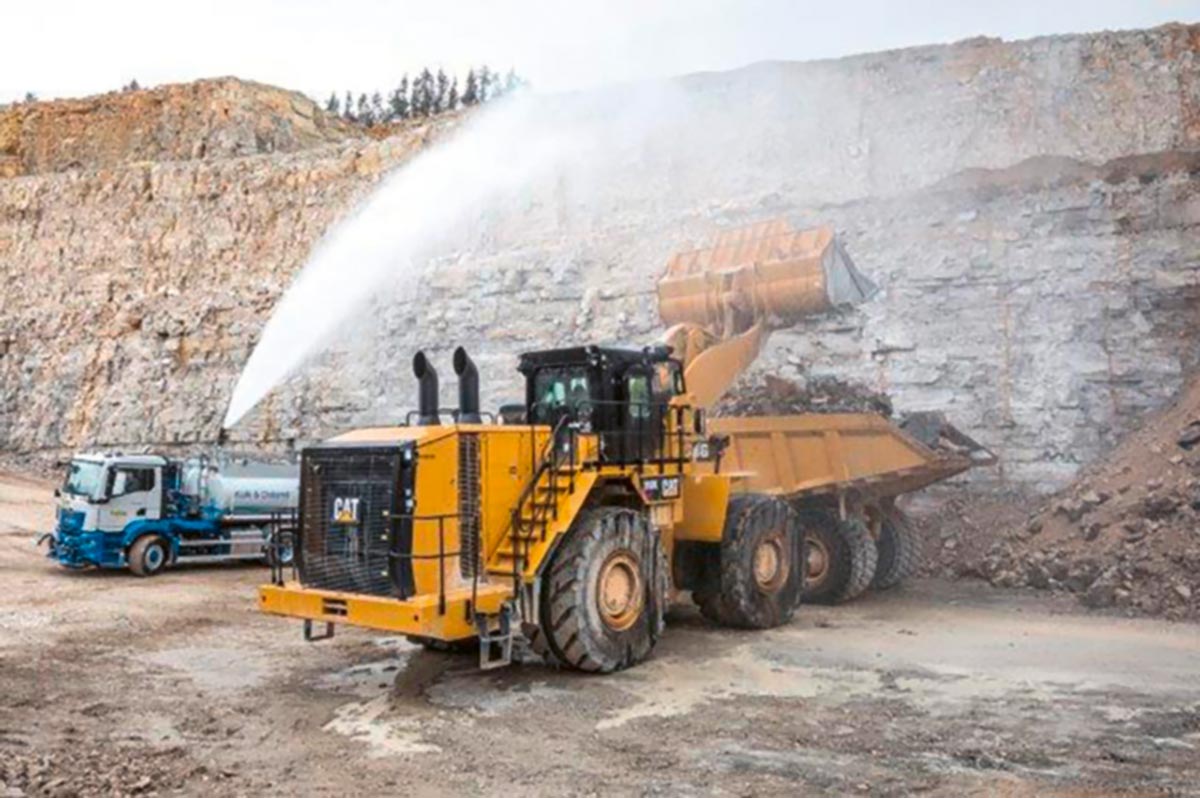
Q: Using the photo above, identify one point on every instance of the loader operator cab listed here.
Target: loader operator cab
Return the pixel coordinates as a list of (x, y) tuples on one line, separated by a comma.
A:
[(622, 395)]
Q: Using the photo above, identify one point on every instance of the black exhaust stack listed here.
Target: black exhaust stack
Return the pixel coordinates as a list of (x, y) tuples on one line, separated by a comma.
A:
[(427, 395), (468, 387)]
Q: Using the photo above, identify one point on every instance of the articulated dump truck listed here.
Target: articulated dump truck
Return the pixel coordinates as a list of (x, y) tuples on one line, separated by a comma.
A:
[(568, 524)]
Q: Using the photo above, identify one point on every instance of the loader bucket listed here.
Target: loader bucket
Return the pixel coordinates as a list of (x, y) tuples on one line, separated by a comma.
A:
[(766, 274)]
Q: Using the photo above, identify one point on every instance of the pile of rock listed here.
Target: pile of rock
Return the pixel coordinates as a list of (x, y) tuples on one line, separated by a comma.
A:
[(1126, 534), (770, 395)]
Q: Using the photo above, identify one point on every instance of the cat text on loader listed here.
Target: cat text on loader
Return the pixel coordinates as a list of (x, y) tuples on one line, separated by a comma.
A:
[(571, 526)]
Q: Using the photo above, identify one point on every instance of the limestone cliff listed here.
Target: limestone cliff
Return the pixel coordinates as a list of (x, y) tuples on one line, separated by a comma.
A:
[(1030, 210), (208, 119)]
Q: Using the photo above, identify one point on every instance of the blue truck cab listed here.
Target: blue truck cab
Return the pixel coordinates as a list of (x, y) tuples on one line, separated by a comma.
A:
[(146, 512)]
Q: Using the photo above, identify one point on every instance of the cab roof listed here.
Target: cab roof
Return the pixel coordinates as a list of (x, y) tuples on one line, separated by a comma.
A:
[(592, 356), (118, 457)]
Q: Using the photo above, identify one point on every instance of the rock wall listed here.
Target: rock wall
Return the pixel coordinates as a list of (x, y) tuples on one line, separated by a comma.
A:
[(1029, 209), (208, 119)]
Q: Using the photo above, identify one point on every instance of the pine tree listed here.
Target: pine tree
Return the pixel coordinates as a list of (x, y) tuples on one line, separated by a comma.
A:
[(363, 110), (399, 100), (423, 94), (378, 114), (512, 82), (30, 97), (443, 88), (485, 83), (331, 105), (470, 95), (452, 96), (348, 108)]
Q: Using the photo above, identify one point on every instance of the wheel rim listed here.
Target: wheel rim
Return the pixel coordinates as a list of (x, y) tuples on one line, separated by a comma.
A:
[(620, 594), (770, 563), (154, 557), (818, 560)]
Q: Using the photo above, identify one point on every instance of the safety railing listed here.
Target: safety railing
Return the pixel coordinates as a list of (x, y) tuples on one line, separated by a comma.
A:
[(282, 536), (441, 521)]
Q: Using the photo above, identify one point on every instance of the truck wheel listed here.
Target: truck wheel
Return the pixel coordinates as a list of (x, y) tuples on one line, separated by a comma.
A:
[(281, 554), (605, 593), (148, 555), (760, 579), (841, 557), (899, 550)]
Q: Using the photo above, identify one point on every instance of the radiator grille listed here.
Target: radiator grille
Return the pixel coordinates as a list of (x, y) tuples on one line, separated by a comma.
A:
[(348, 539), (468, 503)]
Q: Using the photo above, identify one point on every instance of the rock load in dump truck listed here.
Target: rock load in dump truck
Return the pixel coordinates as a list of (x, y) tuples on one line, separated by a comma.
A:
[(610, 492)]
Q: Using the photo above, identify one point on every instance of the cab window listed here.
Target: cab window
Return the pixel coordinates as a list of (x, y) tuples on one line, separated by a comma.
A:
[(559, 389), (131, 480), (668, 380), (637, 388), (84, 478)]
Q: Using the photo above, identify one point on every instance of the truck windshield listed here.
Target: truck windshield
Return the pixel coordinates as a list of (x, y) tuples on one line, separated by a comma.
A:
[(83, 478)]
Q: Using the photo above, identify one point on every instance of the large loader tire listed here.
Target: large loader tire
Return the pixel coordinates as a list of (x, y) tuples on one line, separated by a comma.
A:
[(605, 592), (759, 577), (841, 557), (148, 555), (899, 550)]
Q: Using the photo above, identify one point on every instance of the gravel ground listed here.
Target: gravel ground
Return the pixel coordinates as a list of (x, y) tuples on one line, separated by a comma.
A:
[(176, 685)]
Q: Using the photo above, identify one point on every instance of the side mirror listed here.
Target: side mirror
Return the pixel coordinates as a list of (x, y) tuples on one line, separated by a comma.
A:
[(698, 420)]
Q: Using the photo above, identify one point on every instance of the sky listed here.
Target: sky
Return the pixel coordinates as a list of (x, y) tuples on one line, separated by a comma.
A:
[(66, 48)]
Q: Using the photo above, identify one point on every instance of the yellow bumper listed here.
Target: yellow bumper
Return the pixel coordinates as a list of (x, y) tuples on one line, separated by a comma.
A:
[(424, 615)]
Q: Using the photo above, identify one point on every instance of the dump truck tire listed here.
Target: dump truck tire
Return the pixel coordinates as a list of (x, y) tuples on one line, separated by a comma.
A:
[(605, 592), (148, 555), (899, 550), (841, 557), (864, 556), (760, 576)]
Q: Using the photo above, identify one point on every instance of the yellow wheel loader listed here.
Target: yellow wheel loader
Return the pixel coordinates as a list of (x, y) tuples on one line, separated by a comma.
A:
[(572, 521)]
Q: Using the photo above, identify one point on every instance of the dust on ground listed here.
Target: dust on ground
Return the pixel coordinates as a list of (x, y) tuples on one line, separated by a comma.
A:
[(119, 685)]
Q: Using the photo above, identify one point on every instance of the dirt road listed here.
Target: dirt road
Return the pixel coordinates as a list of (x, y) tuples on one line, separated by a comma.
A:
[(175, 685)]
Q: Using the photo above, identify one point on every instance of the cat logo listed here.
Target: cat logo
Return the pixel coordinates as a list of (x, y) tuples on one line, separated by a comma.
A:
[(345, 510)]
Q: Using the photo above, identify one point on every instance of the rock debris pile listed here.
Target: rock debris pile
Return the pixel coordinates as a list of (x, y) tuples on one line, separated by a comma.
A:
[(1126, 534)]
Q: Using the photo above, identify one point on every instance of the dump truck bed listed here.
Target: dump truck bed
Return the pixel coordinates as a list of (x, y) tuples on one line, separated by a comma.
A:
[(819, 453)]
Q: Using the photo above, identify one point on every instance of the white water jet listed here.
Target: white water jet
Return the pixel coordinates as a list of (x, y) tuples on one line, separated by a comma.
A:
[(493, 159), (382, 240)]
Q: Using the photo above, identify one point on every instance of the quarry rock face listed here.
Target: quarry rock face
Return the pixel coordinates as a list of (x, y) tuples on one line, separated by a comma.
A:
[(208, 119), (1029, 209)]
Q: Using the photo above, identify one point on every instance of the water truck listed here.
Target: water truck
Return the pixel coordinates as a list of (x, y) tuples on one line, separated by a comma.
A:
[(147, 512)]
